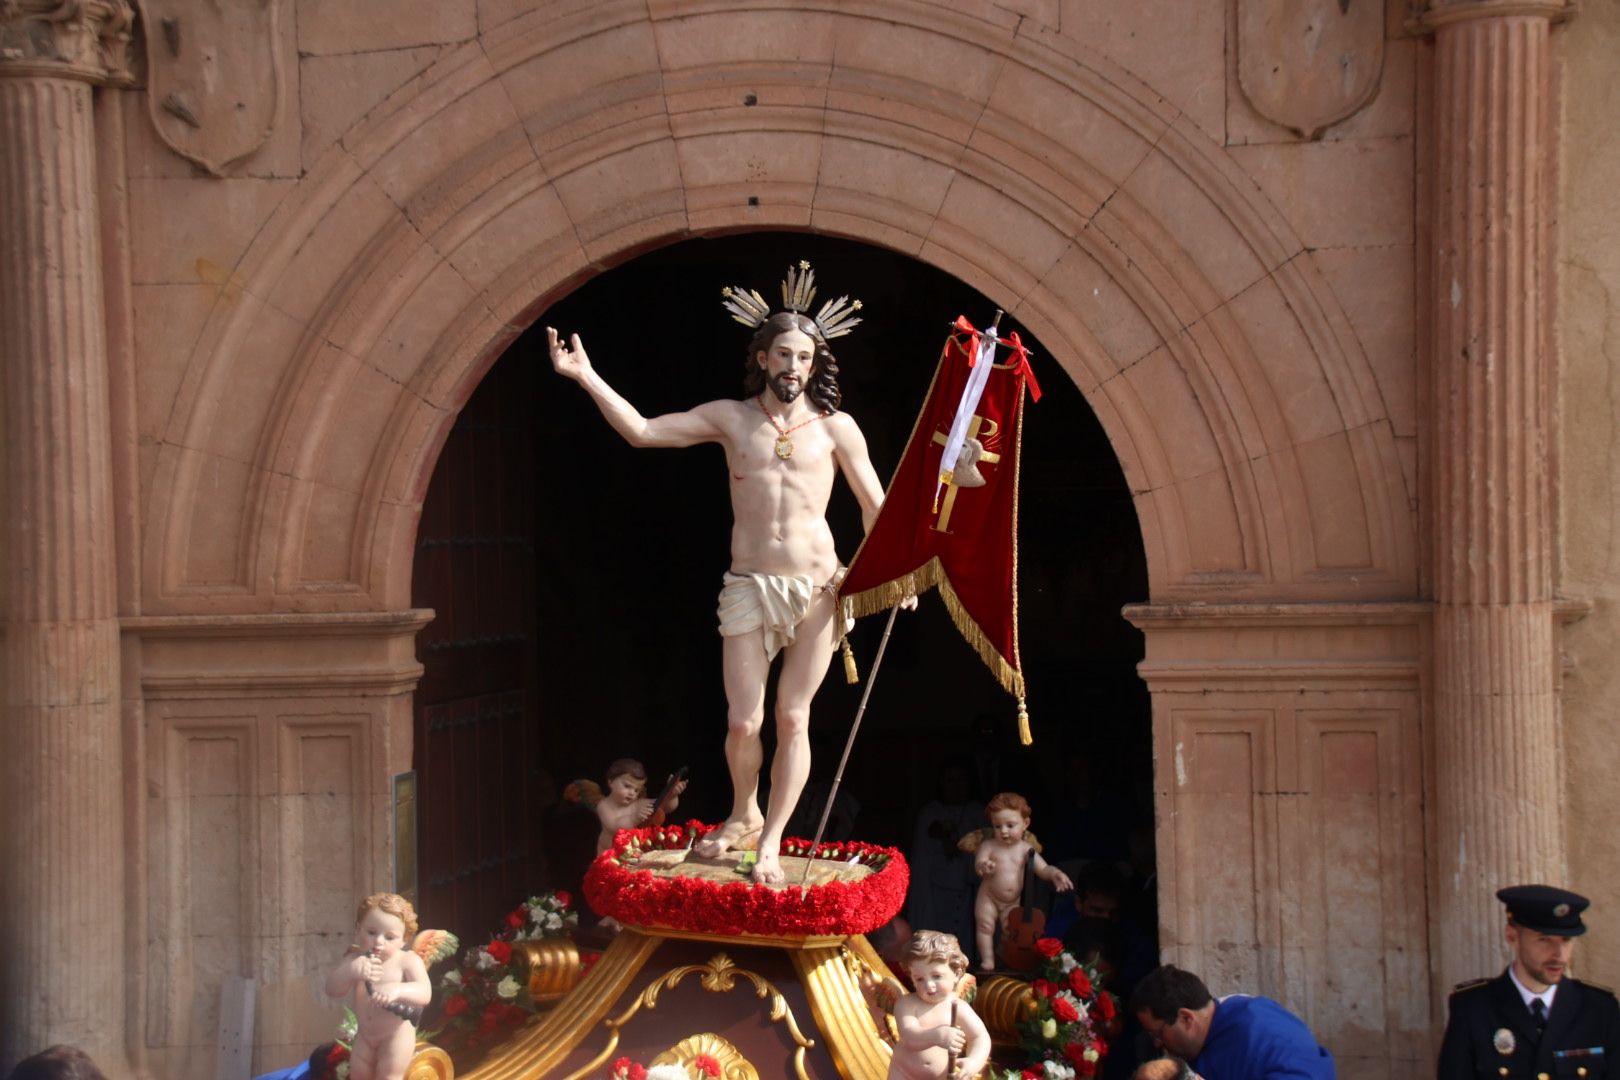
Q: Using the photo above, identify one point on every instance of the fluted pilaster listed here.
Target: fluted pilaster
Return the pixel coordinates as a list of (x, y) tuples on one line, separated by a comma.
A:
[(61, 773), (1497, 771)]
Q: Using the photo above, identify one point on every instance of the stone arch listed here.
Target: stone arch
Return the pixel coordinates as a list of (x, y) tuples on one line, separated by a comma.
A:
[(396, 271)]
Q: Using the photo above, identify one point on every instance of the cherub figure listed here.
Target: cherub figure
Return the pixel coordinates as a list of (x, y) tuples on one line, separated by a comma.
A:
[(936, 1027), (999, 863), (625, 804), (390, 984)]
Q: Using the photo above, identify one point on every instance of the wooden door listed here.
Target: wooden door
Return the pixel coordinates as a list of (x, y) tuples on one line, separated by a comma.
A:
[(476, 729)]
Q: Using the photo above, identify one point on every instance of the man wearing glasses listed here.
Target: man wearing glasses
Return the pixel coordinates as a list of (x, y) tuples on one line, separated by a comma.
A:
[(1238, 1037)]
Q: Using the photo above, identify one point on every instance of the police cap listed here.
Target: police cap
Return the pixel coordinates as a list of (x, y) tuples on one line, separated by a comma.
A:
[(1545, 909)]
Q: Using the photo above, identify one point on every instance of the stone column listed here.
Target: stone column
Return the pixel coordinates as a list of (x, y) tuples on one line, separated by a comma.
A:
[(62, 896), (1496, 728)]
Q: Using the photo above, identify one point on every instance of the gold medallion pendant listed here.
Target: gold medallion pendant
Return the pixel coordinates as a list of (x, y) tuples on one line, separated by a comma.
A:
[(784, 436)]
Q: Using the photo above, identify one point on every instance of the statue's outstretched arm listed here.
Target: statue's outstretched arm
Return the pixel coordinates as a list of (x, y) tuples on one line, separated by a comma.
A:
[(688, 428)]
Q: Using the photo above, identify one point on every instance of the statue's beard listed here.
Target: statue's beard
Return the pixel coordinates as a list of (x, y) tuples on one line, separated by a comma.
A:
[(786, 392)]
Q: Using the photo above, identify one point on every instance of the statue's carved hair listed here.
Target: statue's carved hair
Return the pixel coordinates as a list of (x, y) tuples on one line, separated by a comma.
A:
[(935, 947), (823, 385), (626, 766), (1008, 800), (389, 904)]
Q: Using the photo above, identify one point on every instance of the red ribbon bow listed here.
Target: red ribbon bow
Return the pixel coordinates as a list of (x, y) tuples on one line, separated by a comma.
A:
[(1018, 361)]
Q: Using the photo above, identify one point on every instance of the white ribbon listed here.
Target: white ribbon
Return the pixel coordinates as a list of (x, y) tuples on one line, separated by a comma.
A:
[(971, 393)]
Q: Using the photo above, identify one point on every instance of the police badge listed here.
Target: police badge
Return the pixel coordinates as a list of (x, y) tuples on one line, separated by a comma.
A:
[(1504, 1041)]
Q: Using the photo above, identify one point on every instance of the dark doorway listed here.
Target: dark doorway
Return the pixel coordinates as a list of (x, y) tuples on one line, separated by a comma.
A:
[(629, 545)]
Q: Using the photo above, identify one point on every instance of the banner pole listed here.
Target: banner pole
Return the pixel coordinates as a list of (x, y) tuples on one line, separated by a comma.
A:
[(849, 744)]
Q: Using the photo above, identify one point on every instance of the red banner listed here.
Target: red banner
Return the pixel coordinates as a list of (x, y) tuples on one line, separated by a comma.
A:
[(961, 537)]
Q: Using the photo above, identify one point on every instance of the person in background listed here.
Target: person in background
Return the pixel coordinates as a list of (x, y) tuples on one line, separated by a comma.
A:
[(1237, 1037), (57, 1063)]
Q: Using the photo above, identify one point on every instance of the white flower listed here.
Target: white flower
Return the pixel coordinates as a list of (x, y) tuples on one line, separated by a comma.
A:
[(1067, 962), (1091, 1054), (668, 1072), (1049, 1029), (451, 978), (572, 919), (483, 961), (507, 988), (554, 921), (348, 1026), (1057, 1070)]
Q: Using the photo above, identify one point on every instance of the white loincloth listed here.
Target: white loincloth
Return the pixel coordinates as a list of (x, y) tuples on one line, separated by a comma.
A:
[(774, 603)]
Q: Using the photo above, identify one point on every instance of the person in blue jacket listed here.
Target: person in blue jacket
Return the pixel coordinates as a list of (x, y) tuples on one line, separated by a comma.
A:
[(1238, 1037)]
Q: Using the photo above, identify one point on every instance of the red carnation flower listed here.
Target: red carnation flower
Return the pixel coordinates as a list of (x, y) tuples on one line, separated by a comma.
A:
[(1034, 1072), (1085, 1068), (1048, 946), (620, 1067), (455, 1004), (1043, 988), (563, 899), (517, 918), (637, 1072), (1079, 983), (1065, 1012), (500, 950), (706, 1065), (1106, 1007)]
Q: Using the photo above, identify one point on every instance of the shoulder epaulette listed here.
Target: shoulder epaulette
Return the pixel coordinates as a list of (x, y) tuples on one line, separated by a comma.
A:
[(1598, 987), (1468, 985)]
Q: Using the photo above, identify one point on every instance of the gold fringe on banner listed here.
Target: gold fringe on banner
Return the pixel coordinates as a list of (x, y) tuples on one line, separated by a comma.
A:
[(925, 577)]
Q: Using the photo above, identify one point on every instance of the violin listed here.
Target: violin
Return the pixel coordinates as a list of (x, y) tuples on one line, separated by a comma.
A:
[(1025, 924), (660, 808)]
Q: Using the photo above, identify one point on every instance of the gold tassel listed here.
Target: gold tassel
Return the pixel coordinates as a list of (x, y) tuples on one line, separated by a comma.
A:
[(852, 674), (1023, 723)]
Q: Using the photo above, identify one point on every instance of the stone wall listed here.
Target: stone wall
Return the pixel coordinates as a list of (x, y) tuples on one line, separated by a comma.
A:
[(1235, 300), (1589, 473)]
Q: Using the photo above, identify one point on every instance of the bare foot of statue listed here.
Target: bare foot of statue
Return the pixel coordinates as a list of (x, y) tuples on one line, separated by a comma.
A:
[(732, 834), (768, 868)]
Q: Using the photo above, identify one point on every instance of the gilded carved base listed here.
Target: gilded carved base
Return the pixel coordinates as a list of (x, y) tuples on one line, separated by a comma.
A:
[(807, 1017)]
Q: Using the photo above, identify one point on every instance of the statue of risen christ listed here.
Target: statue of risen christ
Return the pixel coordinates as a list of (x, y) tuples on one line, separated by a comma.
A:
[(785, 440)]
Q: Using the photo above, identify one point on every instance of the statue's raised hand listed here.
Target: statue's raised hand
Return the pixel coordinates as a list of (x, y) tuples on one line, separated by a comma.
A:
[(570, 359)]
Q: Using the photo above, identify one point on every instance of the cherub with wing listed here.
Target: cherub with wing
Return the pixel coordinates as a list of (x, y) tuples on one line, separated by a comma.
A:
[(390, 984)]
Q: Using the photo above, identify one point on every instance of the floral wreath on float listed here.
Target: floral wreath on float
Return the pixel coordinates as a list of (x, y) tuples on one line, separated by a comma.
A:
[(1066, 1036), (618, 885)]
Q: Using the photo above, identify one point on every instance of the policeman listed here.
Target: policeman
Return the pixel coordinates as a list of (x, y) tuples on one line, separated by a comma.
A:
[(1533, 1021)]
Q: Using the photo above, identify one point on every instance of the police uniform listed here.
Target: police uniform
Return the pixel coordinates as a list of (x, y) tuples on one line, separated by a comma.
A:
[(1491, 1032)]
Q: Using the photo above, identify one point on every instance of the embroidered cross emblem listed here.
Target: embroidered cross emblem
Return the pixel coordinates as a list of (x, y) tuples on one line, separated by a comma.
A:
[(990, 429)]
